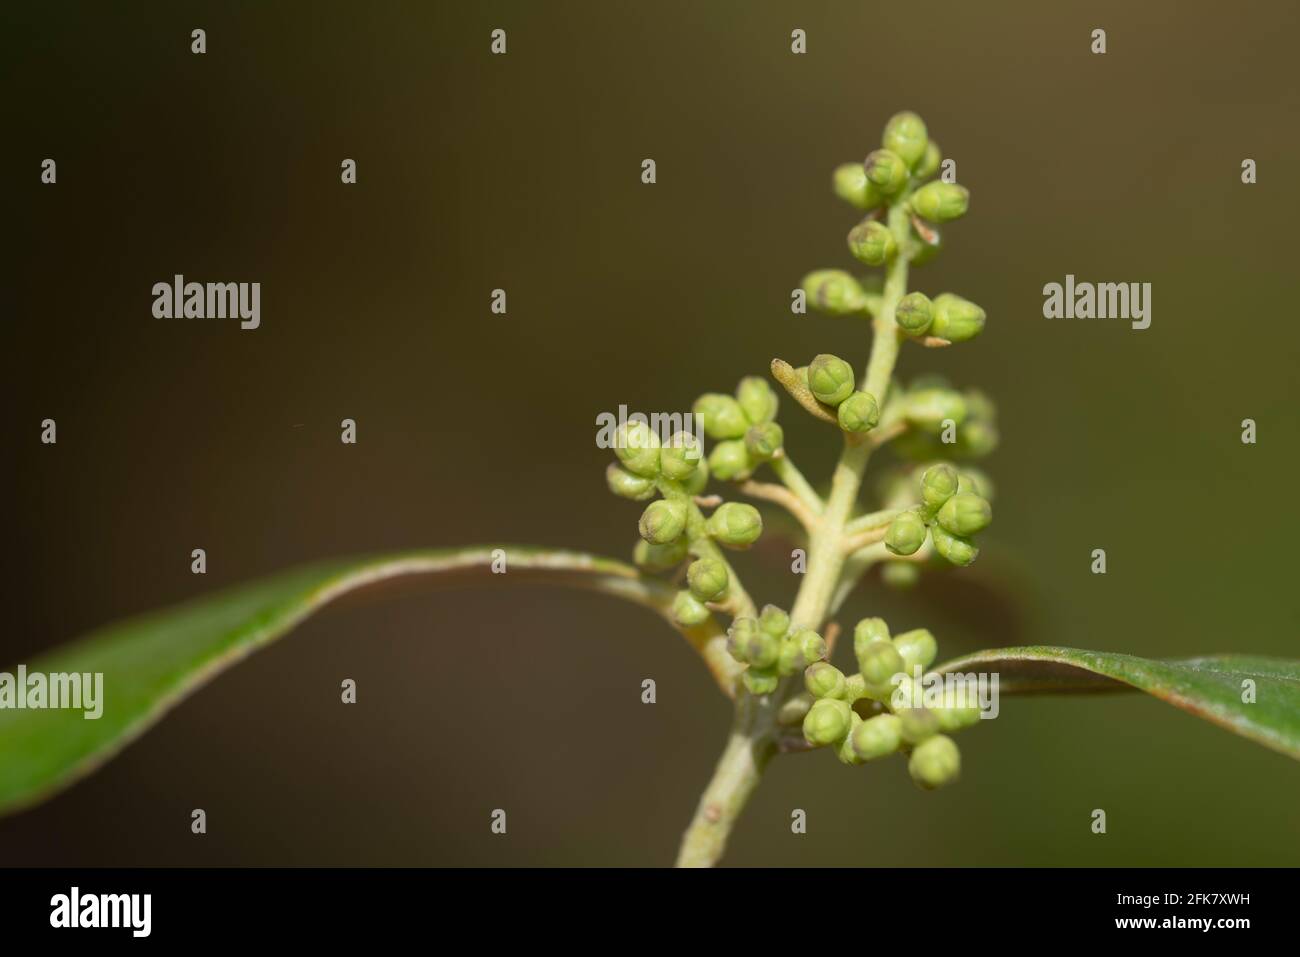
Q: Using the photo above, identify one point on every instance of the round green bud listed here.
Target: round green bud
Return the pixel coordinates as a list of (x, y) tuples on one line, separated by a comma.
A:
[(978, 438), (735, 525), (876, 737), (867, 631), (956, 319), (899, 575), (955, 548), (762, 442), (811, 645), (730, 461), (940, 202), (851, 185), (637, 447), (917, 647), (965, 514), (757, 398), (695, 483), (980, 405), (831, 379), (627, 485), (760, 681), (975, 482), (739, 636), (663, 522), (872, 243), (929, 409), (854, 688), (827, 721), (917, 724), (688, 611), (824, 680), (760, 649), (834, 291), (929, 163), (960, 708), (707, 579), (790, 660), (935, 762), (774, 621), (723, 416), (914, 313), (858, 413), (905, 534), (905, 134), (680, 457), (879, 662), (938, 484), (660, 558), (886, 170), (845, 751)]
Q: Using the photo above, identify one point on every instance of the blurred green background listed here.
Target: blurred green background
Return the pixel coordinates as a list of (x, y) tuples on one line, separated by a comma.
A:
[(522, 171)]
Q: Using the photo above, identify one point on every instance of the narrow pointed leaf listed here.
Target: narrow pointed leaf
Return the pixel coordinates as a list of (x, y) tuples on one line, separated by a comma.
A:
[(1211, 687), (153, 662)]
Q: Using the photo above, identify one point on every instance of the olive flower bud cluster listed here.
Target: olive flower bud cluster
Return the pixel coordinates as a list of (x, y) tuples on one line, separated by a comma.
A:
[(953, 508), (772, 648), (744, 426), (946, 423), (836, 718)]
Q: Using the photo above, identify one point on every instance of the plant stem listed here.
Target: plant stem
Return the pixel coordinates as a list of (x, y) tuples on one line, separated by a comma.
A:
[(753, 735)]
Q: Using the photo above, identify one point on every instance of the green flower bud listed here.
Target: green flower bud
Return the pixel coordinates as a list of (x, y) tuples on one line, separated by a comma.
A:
[(886, 170), (694, 483), (831, 379), (824, 680), (914, 313), (977, 438), (760, 681), (663, 522), (637, 447), (872, 243), (980, 405), (735, 525), (827, 722), (938, 484), (956, 319), (854, 688), (680, 457), (834, 291), (851, 185), (739, 637), (627, 485), (876, 737), (929, 409), (905, 134), (965, 514), (867, 631), (960, 708), (955, 548), (660, 558), (940, 202), (730, 461), (917, 724), (935, 762), (899, 575), (858, 413), (811, 645), (723, 416), (844, 751), (975, 482), (929, 163), (707, 579), (905, 534), (757, 398), (917, 647), (774, 621), (879, 662), (762, 442), (790, 660), (688, 611)]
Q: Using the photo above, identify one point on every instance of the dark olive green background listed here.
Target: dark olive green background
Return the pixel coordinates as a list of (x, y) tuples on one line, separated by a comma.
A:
[(522, 172)]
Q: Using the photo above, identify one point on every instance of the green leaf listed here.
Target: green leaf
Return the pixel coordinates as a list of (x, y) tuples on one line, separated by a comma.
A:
[(1209, 687), (153, 662)]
